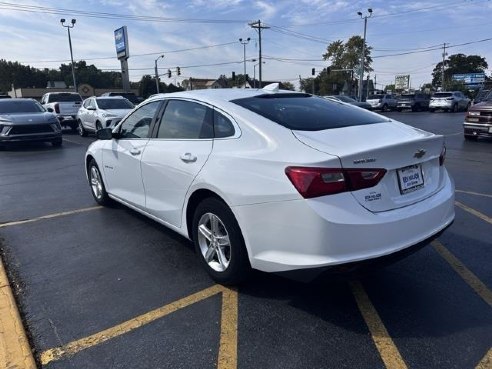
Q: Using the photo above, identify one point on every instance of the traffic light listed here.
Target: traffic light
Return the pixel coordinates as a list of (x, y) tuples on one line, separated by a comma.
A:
[(233, 76), (178, 69), (313, 71), (169, 73)]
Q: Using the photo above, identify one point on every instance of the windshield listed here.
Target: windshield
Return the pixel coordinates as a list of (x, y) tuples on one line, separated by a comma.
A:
[(64, 97), (108, 104), (307, 113), (20, 106), (443, 94), (373, 97)]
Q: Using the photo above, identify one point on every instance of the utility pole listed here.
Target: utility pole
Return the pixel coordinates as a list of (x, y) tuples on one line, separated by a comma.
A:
[(157, 73), (362, 56), (442, 69), (257, 25), (62, 21)]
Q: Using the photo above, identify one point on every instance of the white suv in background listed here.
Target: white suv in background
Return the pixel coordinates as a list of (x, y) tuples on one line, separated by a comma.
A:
[(449, 101), (101, 112), (382, 102)]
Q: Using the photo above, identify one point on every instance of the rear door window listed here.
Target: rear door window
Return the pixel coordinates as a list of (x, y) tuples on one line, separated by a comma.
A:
[(186, 120), (304, 112)]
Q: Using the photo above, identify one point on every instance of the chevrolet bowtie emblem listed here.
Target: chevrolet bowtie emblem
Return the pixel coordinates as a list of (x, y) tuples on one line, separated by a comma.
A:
[(419, 153)]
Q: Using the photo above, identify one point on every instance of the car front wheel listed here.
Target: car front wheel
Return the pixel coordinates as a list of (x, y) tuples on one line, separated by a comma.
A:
[(219, 242), (97, 185), (81, 129)]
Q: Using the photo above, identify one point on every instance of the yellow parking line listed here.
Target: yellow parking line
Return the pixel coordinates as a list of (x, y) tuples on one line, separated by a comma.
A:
[(387, 349), (486, 362), (15, 351), (471, 279), (141, 320), (49, 216), (474, 212), (474, 193), (228, 334)]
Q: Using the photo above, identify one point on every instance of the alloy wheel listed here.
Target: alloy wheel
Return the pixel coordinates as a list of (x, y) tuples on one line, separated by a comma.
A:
[(214, 242), (96, 183)]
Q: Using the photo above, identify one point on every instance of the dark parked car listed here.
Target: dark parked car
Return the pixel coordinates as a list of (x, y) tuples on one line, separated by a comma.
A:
[(478, 120), (26, 120), (414, 101)]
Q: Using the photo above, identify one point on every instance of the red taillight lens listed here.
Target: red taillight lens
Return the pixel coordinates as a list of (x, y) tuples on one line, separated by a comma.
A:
[(315, 182), (442, 157), (57, 108)]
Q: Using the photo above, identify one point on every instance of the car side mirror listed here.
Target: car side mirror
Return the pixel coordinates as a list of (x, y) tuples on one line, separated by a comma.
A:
[(104, 134), (50, 110)]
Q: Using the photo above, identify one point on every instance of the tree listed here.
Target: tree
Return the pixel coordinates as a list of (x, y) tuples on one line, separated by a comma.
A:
[(288, 86), (457, 64)]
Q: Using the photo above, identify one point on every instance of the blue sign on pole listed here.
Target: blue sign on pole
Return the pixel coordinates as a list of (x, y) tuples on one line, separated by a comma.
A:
[(121, 43), (470, 79)]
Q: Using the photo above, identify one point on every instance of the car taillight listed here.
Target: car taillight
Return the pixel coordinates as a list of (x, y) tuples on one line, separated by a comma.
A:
[(314, 182), (57, 108), (442, 157)]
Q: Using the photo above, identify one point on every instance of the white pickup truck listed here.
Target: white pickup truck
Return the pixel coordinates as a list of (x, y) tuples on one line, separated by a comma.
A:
[(65, 105)]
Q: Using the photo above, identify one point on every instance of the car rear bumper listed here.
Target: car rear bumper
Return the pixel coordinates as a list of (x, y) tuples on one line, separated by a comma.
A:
[(336, 230)]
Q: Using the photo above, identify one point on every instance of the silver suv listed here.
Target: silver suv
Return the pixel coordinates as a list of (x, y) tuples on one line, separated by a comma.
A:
[(101, 112), (383, 102), (449, 101)]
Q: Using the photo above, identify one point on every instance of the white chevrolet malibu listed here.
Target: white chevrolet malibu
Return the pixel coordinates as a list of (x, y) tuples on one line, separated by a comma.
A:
[(275, 180)]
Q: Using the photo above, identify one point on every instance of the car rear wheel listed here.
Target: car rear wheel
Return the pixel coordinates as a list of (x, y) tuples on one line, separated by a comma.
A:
[(219, 242), (81, 129), (97, 185)]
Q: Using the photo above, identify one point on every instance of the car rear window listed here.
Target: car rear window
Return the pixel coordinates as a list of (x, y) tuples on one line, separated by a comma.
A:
[(443, 94), (304, 112), (64, 98), (19, 106)]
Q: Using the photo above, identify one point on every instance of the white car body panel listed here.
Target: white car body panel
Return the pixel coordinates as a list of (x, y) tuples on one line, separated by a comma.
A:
[(282, 230)]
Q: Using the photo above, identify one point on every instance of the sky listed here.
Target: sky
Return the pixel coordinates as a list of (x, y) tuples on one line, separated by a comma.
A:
[(202, 36)]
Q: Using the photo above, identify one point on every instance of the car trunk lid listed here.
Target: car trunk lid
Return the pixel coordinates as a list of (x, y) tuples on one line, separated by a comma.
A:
[(410, 157)]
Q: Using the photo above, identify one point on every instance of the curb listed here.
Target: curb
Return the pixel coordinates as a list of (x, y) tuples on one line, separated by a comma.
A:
[(15, 351)]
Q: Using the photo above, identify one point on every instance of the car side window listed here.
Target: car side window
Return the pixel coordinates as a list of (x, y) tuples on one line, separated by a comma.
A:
[(222, 126), (138, 123), (186, 120), (87, 103)]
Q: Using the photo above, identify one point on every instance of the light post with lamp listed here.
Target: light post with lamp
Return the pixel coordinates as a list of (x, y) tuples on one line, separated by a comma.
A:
[(244, 43), (157, 73), (68, 26), (362, 55)]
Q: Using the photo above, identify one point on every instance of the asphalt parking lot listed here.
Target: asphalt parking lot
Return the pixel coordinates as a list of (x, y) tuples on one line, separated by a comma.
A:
[(107, 288)]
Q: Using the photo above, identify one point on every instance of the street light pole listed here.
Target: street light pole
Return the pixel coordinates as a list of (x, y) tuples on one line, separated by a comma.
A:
[(157, 73), (68, 26), (244, 43), (362, 56)]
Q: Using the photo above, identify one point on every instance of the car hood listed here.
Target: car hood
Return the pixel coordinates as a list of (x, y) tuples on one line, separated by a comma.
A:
[(116, 112), (28, 118), (484, 105)]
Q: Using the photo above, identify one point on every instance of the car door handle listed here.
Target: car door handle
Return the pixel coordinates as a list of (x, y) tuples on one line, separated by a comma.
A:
[(188, 158), (135, 151)]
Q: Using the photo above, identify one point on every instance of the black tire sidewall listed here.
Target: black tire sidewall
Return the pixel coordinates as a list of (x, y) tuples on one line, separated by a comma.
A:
[(238, 268)]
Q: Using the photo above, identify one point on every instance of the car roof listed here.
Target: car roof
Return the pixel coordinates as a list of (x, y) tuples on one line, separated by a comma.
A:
[(3, 101), (220, 95)]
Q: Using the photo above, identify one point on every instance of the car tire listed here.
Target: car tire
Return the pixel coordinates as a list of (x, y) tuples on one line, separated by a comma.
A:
[(214, 222), (384, 108), (98, 189), (57, 143), (81, 129), (471, 138)]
